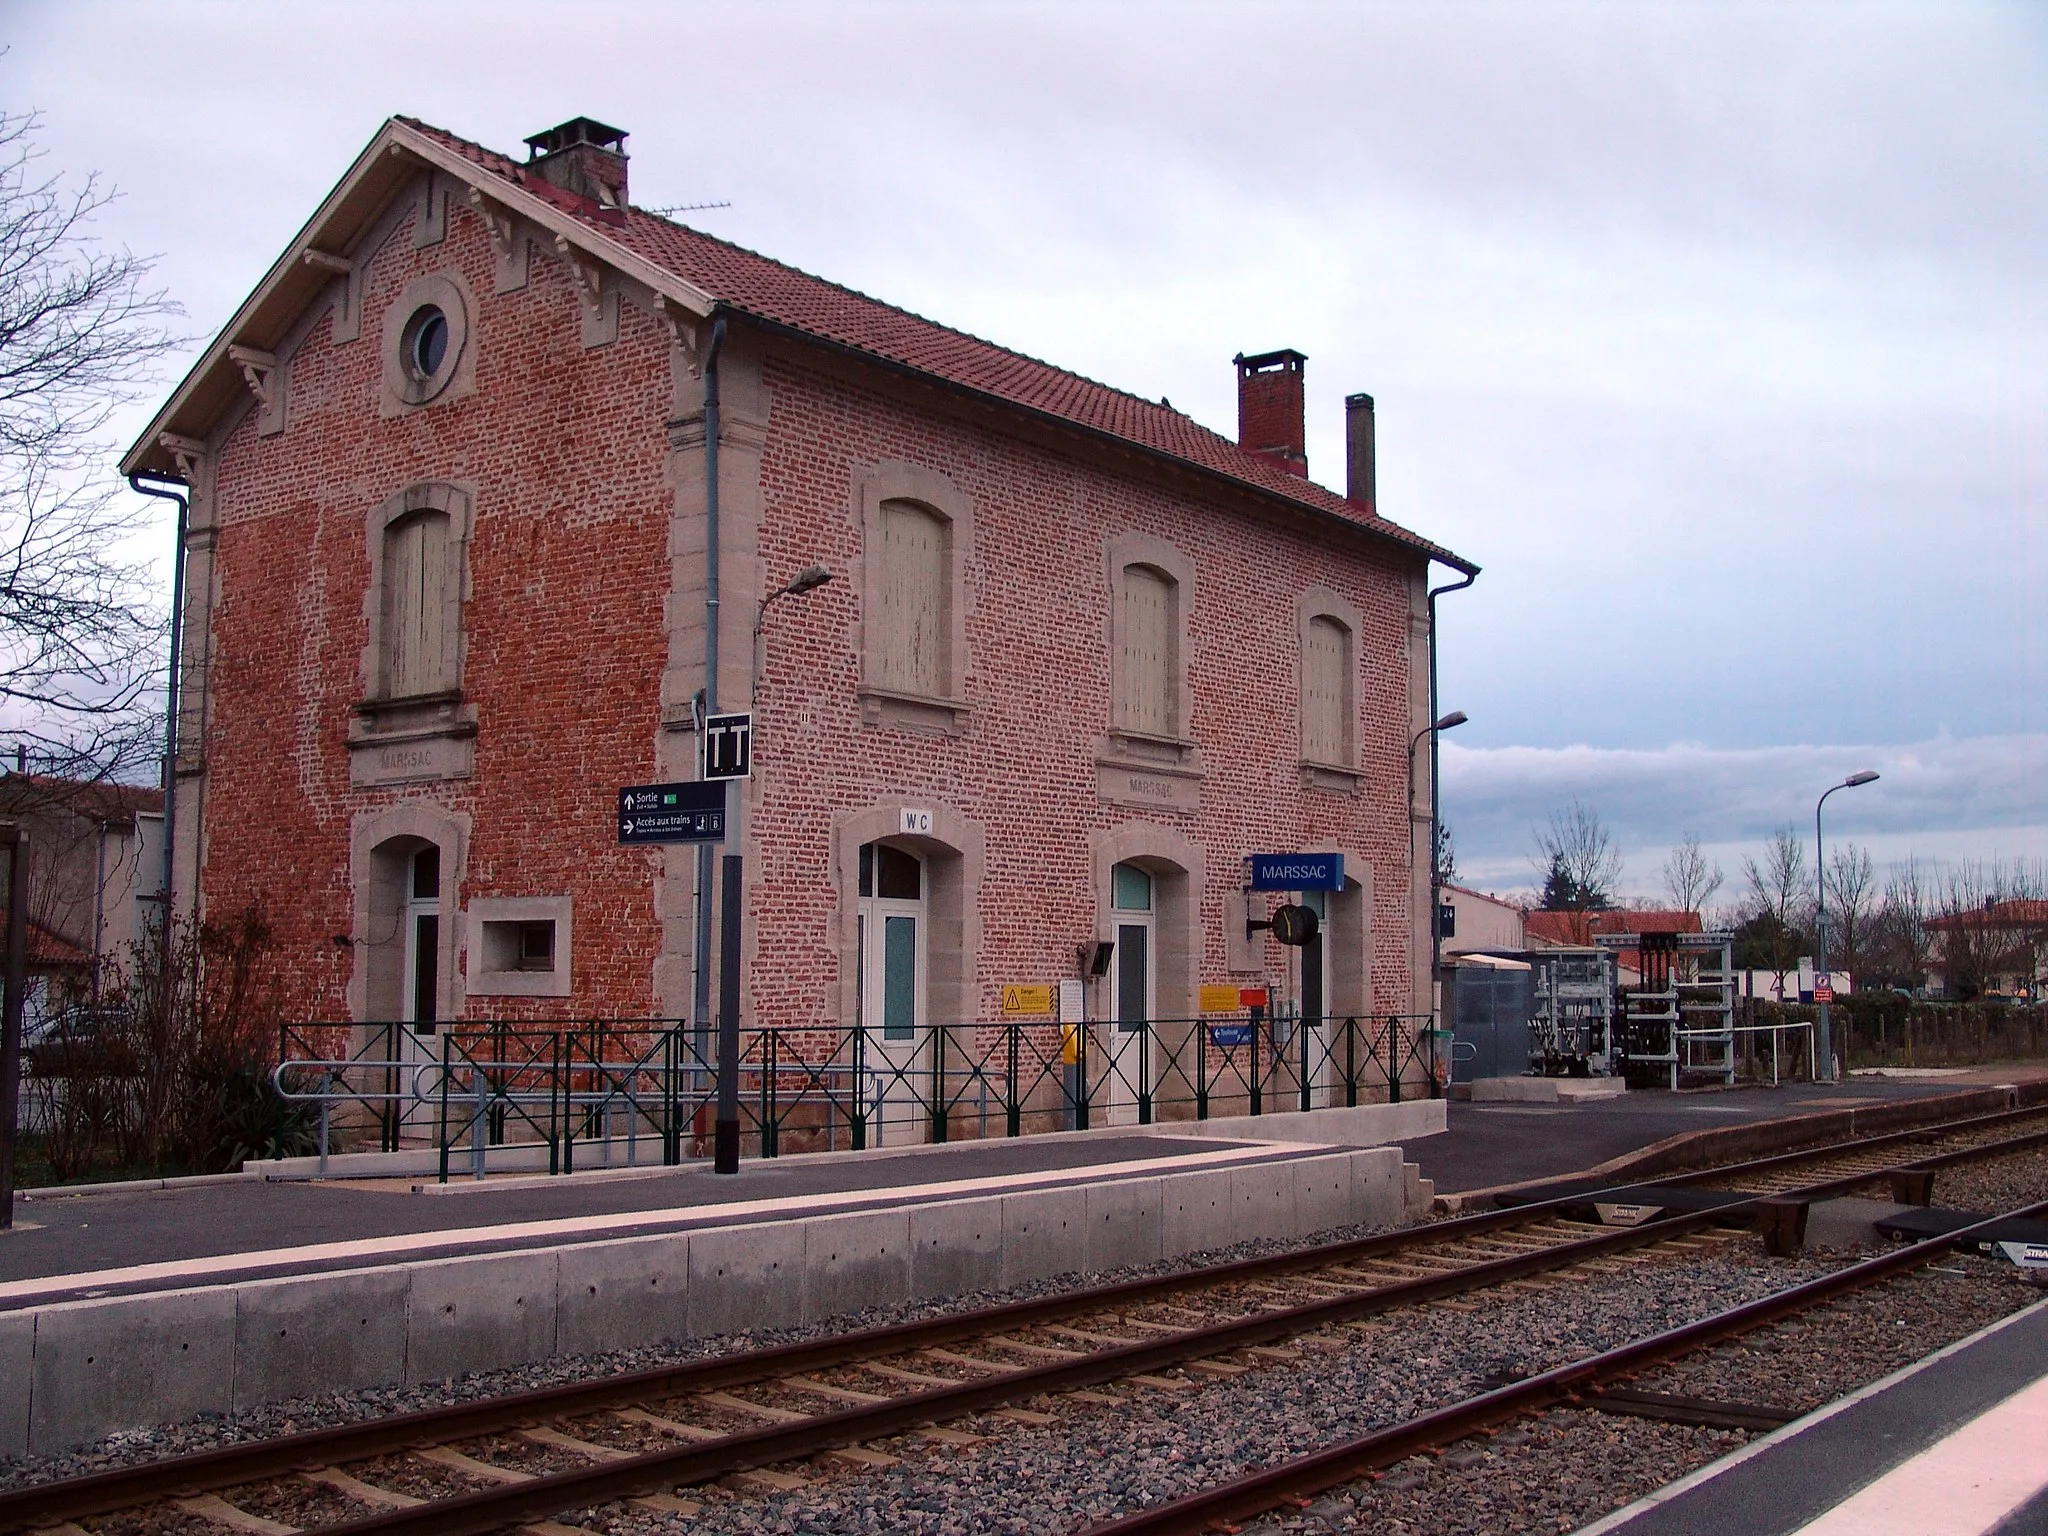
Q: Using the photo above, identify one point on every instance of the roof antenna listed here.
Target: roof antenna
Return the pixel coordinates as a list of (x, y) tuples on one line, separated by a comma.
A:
[(669, 213)]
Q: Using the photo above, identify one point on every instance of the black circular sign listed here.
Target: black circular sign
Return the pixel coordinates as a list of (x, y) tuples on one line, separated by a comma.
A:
[(1295, 925)]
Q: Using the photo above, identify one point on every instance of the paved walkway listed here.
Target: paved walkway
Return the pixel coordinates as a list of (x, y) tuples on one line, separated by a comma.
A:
[(1954, 1446), (1492, 1144)]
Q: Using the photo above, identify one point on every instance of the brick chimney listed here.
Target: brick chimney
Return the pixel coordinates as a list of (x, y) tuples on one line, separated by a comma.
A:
[(1270, 409), (582, 156), (1361, 473)]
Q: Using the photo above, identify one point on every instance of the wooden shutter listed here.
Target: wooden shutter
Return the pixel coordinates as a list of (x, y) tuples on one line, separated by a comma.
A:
[(1326, 693), (415, 605), (1151, 648), (912, 599)]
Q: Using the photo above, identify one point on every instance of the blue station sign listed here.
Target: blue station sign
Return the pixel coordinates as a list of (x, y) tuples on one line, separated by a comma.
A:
[(690, 812), (1297, 871)]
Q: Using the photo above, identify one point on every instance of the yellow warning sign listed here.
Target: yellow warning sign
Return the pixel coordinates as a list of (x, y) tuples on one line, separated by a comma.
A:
[(1220, 999), (1027, 1000), (1070, 1044)]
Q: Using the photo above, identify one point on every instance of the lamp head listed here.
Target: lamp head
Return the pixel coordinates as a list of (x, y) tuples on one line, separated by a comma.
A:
[(1455, 717), (1865, 777), (809, 579)]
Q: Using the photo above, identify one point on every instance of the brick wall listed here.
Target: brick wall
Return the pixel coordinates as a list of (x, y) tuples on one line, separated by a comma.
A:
[(566, 449)]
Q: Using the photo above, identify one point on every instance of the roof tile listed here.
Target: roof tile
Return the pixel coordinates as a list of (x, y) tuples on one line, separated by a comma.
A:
[(774, 291)]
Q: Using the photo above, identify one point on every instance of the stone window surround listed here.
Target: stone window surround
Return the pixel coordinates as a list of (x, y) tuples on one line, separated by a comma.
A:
[(1319, 602), (402, 392), (897, 480), (955, 862), (435, 730), (483, 982), (1129, 747), (420, 821)]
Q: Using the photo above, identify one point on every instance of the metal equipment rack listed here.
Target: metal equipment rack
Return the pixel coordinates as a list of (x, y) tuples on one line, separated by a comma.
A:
[(1682, 1016), (1571, 1013)]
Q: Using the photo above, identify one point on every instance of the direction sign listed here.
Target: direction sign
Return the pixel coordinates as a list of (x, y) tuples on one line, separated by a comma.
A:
[(1297, 871), (728, 746), (672, 813)]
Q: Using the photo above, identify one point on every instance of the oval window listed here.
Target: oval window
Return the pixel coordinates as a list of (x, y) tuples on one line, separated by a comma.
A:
[(426, 342)]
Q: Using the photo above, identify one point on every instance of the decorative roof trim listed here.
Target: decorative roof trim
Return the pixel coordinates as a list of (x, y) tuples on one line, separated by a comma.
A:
[(296, 279)]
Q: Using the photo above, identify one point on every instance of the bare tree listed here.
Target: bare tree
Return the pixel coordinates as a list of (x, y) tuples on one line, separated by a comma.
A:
[(1446, 854), (1851, 892), (1690, 877), (1903, 940), (1777, 901), (1991, 927), (1577, 862), (80, 334)]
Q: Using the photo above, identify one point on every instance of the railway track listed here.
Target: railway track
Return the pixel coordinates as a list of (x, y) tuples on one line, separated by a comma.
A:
[(647, 1438), (1593, 1381)]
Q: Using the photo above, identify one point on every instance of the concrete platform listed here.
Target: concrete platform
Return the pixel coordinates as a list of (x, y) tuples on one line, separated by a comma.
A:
[(126, 1309), (1545, 1090), (1956, 1445), (1493, 1146)]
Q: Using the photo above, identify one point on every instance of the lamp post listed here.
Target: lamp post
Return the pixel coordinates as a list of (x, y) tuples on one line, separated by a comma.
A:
[(1824, 1045), (725, 1145), (1455, 718)]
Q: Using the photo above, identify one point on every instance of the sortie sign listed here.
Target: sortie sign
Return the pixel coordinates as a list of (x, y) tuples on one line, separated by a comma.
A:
[(1297, 871)]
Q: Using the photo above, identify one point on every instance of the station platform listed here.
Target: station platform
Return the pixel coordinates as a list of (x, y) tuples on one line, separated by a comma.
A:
[(128, 1308), (1499, 1144), (1955, 1445)]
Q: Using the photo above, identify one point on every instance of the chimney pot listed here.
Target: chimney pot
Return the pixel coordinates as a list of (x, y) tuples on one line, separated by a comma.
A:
[(1361, 483), (1271, 415), (583, 157)]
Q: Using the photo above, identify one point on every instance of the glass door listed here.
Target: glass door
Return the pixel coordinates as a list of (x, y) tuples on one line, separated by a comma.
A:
[(1127, 1064), (418, 1047), (891, 980)]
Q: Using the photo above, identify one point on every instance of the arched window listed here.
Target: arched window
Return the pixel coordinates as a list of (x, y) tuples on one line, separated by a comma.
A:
[(913, 601), (418, 649), (1329, 706), (1149, 663)]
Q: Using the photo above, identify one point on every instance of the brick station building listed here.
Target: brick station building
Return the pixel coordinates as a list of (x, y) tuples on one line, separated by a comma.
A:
[(447, 591)]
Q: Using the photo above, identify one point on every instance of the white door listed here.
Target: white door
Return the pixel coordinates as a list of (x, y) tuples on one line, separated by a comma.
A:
[(1322, 1035), (896, 1043), (1124, 1073), (418, 1043)]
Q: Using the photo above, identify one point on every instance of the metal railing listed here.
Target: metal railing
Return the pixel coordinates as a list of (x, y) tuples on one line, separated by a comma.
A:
[(644, 1088)]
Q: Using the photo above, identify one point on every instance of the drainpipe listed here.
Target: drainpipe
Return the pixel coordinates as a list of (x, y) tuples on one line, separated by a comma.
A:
[(1436, 938), (180, 496), (702, 1001)]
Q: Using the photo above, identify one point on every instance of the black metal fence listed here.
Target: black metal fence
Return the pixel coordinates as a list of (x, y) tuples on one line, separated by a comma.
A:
[(643, 1089)]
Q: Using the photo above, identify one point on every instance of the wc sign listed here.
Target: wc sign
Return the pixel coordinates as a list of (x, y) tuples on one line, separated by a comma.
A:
[(915, 823)]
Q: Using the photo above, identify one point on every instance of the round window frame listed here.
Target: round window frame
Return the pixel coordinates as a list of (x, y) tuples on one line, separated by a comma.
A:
[(407, 385), (412, 336)]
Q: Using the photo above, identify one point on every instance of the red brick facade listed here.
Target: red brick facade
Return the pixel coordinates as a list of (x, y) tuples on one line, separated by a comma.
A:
[(572, 442)]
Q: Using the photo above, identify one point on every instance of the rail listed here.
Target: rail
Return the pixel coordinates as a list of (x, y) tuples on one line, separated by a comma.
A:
[(605, 1089)]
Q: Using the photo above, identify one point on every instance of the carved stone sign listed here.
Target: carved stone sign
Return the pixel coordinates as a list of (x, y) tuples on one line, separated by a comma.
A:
[(415, 760), (1158, 788)]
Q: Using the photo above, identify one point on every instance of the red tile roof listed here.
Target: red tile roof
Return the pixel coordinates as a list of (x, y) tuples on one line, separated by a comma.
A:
[(1579, 927), (49, 950), (100, 799), (756, 285), (1996, 914)]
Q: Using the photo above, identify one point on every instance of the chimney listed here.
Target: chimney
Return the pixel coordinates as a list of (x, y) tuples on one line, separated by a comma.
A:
[(584, 157), (1270, 412), (1361, 478)]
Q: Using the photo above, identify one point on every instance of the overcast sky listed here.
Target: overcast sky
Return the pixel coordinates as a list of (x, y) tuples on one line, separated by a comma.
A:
[(1717, 334)]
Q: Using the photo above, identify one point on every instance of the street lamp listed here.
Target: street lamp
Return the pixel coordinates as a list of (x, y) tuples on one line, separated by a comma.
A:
[(1824, 1045), (725, 1144), (1455, 718)]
